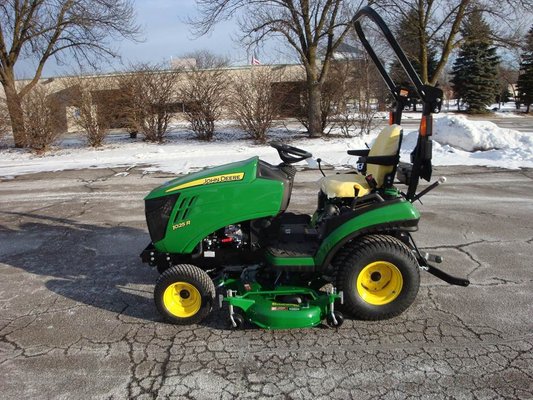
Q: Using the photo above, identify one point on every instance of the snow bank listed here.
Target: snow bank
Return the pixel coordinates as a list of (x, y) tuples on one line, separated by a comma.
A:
[(464, 134), (456, 142)]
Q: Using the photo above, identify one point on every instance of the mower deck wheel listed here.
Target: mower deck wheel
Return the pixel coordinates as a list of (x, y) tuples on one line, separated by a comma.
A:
[(337, 322), (184, 294), (239, 321)]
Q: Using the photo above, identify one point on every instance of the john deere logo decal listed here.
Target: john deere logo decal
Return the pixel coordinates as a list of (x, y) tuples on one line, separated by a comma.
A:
[(238, 176)]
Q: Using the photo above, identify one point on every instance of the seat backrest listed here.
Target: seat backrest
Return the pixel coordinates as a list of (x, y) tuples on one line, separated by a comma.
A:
[(387, 144)]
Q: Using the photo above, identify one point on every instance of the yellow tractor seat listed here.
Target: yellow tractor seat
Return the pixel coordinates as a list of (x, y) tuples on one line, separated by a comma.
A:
[(344, 185)]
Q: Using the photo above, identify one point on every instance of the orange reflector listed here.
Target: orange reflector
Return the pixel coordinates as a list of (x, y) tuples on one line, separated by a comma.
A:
[(425, 125), (391, 118)]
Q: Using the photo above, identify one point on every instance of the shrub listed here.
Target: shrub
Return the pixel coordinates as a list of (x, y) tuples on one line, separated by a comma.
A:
[(39, 125), (149, 93), (252, 103), (92, 118), (204, 93)]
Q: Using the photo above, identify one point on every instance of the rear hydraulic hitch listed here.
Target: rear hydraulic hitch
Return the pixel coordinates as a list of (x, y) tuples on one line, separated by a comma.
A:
[(452, 280)]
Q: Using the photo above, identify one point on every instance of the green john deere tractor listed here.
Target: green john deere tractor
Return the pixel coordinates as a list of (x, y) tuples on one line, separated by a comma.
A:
[(227, 227)]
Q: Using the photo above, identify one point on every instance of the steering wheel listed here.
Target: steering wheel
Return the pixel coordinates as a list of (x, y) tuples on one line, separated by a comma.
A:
[(290, 154)]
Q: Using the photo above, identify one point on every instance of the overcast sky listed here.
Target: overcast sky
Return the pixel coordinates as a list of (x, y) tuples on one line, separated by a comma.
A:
[(166, 34)]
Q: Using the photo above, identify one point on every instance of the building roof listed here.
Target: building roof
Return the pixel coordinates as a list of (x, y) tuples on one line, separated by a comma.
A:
[(346, 48)]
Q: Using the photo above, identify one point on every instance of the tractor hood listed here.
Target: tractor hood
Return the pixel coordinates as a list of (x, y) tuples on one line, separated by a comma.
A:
[(183, 211), (241, 171)]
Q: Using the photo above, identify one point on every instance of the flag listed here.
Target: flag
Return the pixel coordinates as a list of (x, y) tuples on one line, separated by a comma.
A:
[(255, 61)]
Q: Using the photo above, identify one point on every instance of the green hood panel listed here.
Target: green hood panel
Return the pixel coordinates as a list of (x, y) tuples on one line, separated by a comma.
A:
[(240, 171), (211, 199)]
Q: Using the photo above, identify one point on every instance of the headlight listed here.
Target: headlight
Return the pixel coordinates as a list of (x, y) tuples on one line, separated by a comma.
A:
[(157, 215)]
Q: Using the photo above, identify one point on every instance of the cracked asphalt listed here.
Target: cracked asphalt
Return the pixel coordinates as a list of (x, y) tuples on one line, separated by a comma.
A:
[(77, 319)]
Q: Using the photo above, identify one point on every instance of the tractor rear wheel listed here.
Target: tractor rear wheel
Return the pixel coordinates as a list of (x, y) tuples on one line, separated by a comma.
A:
[(184, 294), (379, 276)]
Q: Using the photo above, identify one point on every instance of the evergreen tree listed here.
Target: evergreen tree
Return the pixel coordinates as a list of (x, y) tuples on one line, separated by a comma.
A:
[(525, 79), (475, 71), (504, 96), (408, 36)]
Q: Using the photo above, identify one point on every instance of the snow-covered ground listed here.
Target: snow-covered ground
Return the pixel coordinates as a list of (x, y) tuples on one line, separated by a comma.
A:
[(457, 141)]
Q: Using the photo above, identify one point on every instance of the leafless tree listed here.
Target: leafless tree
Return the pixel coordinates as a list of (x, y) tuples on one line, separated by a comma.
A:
[(204, 94), (305, 26), (351, 96), (370, 88), (252, 102), (333, 100), (92, 117), (40, 126), (508, 77), (439, 22), (358, 120), (5, 125), (44, 29), (148, 94)]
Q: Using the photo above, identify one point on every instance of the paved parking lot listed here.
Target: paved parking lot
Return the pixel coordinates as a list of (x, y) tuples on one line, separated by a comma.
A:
[(77, 318)]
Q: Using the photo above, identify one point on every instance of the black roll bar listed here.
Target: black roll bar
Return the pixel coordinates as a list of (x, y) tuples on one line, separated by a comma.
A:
[(430, 96)]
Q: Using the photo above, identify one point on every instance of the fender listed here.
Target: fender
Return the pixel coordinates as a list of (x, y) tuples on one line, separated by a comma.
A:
[(398, 215)]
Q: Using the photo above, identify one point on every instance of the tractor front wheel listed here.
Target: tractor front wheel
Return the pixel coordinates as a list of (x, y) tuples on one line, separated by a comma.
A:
[(379, 277), (184, 294)]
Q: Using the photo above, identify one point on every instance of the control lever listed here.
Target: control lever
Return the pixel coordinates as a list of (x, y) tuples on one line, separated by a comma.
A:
[(440, 181), (319, 160)]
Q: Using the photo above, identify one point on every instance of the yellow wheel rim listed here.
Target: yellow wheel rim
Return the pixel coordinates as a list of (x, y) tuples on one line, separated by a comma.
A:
[(182, 299), (379, 283)]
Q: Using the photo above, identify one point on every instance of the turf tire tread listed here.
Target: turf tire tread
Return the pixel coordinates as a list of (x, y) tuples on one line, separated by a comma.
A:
[(364, 247), (188, 273)]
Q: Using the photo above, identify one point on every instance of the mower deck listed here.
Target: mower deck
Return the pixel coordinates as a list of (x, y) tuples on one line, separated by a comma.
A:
[(283, 308)]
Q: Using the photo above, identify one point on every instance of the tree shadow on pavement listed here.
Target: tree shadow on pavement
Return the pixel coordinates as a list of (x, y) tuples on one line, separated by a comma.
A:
[(96, 265)]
